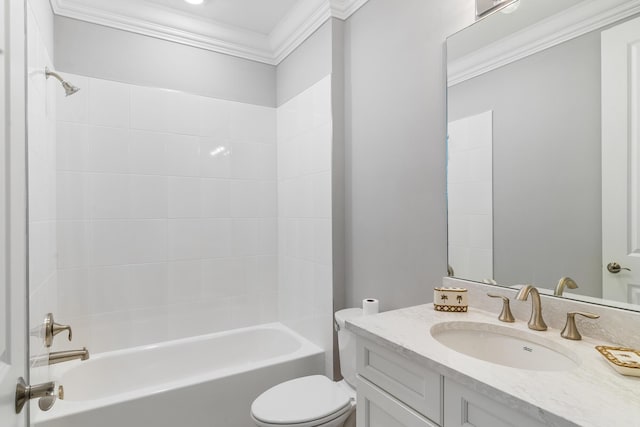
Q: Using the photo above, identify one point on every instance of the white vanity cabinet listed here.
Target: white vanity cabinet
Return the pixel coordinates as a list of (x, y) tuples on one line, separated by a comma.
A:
[(394, 391)]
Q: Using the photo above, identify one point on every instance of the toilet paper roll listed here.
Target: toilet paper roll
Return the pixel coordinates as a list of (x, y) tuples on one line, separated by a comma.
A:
[(370, 306)]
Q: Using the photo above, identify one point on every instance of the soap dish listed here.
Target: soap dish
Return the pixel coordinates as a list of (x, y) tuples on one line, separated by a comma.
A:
[(624, 360)]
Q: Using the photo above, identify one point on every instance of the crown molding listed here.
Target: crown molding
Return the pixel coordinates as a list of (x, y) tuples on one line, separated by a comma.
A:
[(302, 21), (566, 25), (168, 24), (343, 9)]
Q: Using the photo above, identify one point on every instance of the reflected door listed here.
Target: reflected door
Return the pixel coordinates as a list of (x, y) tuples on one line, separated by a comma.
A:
[(621, 162), (470, 197)]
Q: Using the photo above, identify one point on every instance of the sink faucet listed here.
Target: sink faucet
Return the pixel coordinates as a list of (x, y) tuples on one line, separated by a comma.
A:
[(66, 356), (536, 322), (565, 282)]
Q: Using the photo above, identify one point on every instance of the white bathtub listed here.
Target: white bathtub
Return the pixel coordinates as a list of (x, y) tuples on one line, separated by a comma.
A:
[(208, 380)]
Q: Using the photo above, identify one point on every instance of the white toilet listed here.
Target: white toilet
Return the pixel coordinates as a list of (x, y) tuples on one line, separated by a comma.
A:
[(315, 400)]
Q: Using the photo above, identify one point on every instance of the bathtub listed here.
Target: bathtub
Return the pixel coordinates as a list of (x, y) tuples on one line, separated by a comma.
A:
[(208, 380)]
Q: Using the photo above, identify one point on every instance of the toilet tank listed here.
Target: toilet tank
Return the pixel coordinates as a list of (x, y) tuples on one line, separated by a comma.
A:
[(347, 344)]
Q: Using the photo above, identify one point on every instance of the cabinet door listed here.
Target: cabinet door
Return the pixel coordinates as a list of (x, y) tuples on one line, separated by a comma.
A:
[(410, 383), (377, 409), (467, 408)]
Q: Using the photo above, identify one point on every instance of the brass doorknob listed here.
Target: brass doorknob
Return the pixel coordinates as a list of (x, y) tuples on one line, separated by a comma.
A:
[(615, 268)]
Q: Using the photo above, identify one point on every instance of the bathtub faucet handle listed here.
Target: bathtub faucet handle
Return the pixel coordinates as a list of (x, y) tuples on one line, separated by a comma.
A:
[(51, 329)]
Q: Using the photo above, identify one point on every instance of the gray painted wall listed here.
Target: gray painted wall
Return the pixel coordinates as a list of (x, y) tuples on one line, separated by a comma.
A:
[(107, 53), (547, 163), (395, 148), (308, 64)]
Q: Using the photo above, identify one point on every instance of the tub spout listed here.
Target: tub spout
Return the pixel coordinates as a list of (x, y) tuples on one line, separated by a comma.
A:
[(66, 356)]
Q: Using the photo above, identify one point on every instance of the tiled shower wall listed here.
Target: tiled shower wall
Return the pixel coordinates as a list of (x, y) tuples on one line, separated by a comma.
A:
[(167, 214), (304, 215)]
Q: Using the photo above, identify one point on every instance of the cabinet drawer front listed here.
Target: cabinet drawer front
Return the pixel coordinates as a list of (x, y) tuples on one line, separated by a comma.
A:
[(407, 381), (376, 408), (467, 408)]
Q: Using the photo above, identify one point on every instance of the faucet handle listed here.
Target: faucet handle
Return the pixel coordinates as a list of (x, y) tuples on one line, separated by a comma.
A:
[(570, 330), (505, 314), (51, 329)]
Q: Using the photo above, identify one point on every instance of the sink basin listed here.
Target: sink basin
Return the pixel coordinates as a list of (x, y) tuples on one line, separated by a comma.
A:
[(504, 346)]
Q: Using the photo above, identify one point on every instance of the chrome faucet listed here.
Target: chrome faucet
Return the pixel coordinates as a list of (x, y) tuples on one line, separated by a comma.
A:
[(66, 356), (565, 282), (536, 322)]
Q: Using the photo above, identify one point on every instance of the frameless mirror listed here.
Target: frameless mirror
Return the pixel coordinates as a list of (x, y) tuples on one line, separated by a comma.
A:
[(542, 169)]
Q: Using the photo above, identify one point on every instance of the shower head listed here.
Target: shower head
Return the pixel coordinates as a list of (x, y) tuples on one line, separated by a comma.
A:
[(69, 89)]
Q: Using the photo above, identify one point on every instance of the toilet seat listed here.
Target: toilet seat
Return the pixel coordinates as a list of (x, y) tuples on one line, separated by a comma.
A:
[(303, 402)]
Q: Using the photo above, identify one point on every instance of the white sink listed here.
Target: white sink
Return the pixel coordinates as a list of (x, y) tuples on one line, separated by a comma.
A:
[(504, 346)]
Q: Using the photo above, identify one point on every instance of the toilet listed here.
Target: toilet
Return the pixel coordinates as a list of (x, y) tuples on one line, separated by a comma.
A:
[(315, 401)]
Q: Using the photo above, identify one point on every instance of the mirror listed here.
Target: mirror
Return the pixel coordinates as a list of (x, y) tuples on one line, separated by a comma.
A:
[(542, 176)]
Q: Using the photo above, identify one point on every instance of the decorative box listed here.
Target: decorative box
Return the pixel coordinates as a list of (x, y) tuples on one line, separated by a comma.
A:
[(450, 299)]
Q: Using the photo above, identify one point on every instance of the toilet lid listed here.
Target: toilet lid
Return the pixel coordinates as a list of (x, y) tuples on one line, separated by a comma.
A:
[(300, 400)]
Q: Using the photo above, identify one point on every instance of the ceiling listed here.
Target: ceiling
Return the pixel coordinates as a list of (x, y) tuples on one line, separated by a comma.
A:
[(260, 16), (259, 30)]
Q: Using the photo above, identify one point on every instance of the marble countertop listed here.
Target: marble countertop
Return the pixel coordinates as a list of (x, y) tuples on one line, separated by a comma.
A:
[(591, 395)]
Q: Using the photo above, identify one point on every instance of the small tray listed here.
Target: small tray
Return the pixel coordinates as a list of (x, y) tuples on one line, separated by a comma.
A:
[(624, 360)]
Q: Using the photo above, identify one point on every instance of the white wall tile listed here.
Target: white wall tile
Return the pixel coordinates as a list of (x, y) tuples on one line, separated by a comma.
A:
[(147, 152), (183, 155), (108, 196), (72, 143), (215, 118), (320, 148), (252, 237), (73, 244), (261, 274), (149, 109), (253, 123), (216, 198), (148, 196), (109, 103), (185, 281), (185, 239), (185, 197), (223, 277), (215, 157), (73, 293), (108, 150), (322, 239), (253, 161), (216, 237), (183, 113), (253, 199), (128, 242), (72, 196)]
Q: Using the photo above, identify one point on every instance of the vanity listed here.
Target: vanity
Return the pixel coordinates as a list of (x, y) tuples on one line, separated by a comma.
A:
[(542, 189), (407, 376)]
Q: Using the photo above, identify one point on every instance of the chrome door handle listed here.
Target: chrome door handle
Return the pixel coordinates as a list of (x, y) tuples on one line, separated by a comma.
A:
[(615, 268)]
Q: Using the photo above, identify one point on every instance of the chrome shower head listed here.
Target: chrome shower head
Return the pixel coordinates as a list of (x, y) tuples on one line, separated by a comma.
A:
[(69, 89)]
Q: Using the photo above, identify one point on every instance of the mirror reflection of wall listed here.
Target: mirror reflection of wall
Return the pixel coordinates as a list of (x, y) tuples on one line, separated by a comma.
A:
[(547, 132)]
